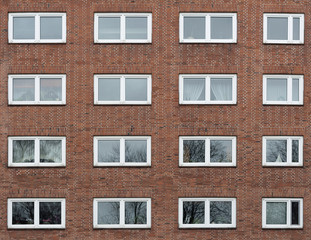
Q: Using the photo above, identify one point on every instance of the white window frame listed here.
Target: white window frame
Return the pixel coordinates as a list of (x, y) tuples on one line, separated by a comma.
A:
[(122, 162), (207, 88), (207, 162), (207, 38), (122, 213), (37, 27), (207, 213), (36, 163), (37, 78), (288, 213), (289, 90), (122, 90), (37, 224), (290, 28), (122, 27), (289, 140)]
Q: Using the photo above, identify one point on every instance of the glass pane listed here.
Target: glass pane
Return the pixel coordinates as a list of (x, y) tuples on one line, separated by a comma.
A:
[(23, 89), (295, 89), (24, 27), (136, 28), (50, 151), (136, 89), (221, 89), (23, 151), (109, 89), (108, 213), (109, 151), (194, 89), (109, 28), (135, 150), (277, 28), (220, 212), (23, 213), (51, 28), (276, 151), (296, 28), (193, 212), (194, 27), (295, 213), (295, 151), (221, 151), (221, 28), (50, 212), (276, 213), (277, 89), (50, 89), (135, 213), (194, 151)]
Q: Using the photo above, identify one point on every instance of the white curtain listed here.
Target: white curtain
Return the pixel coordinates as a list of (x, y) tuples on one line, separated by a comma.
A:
[(221, 89), (194, 89), (276, 89)]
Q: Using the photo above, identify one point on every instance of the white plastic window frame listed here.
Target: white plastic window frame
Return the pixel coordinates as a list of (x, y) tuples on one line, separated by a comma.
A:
[(36, 163), (207, 213), (122, 162), (37, 27), (37, 78), (207, 88), (207, 162), (122, 202), (288, 213), (290, 28), (123, 28), (289, 140), (289, 100), (37, 224), (122, 90)]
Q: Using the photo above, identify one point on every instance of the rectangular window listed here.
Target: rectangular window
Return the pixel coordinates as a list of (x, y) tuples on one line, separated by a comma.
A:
[(283, 28), (37, 151), (122, 213), (37, 27), (283, 89), (282, 212), (208, 27), (37, 89), (122, 27), (122, 89), (36, 213), (204, 151), (207, 89)]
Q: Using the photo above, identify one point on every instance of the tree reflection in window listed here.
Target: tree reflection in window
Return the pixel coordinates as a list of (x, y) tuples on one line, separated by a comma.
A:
[(109, 151), (109, 213), (50, 212), (135, 213), (276, 150), (221, 150), (220, 212), (193, 212), (194, 150), (23, 213), (23, 151), (51, 151), (135, 151)]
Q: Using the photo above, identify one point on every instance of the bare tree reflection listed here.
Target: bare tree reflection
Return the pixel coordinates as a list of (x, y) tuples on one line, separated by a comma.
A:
[(135, 212), (220, 212), (193, 212), (136, 151), (23, 151), (23, 213), (50, 212)]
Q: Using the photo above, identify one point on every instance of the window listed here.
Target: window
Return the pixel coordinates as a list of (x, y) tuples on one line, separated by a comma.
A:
[(282, 151), (283, 28), (122, 213), (122, 89), (36, 213), (207, 213), (207, 151), (207, 89), (37, 89), (37, 151), (282, 213), (122, 27), (37, 27), (208, 27), (122, 151)]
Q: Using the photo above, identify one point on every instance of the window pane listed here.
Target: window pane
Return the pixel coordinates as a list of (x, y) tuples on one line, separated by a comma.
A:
[(194, 151), (277, 89), (193, 212), (194, 89), (108, 213), (220, 212), (276, 213), (221, 28), (136, 28), (135, 150), (23, 89), (295, 151), (51, 28), (24, 27), (50, 151), (23, 213), (276, 151), (295, 89), (136, 89), (50, 212), (109, 151), (50, 89), (296, 28), (295, 213), (23, 151), (221, 151), (277, 28), (109, 89), (135, 213), (109, 28), (194, 27), (221, 89)]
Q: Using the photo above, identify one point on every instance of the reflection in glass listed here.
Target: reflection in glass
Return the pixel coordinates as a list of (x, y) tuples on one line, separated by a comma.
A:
[(276, 151), (193, 212), (108, 151), (109, 89), (295, 150), (194, 89), (295, 89), (109, 28), (220, 212), (50, 212), (276, 212), (23, 28), (221, 28), (50, 151), (51, 28), (221, 151), (135, 213), (23, 89), (23, 151), (277, 89), (296, 28), (50, 89), (136, 89), (23, 213), (135, 151), (108, 213), (277, 28), (194, 27), (194, 151), (136, 28), (295, 213), (221, 89)]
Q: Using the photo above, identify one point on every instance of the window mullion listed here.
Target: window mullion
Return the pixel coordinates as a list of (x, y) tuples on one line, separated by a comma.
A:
[(37, 28), (37, 151), (122, 151), (207, 211), (207, 89), (290, 28), (207, 28), (37, 89), (36, 214), (122, 213), (122, 29), (122, 89), (289, 213), (289, 151), (289, 89), (207, 151)]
